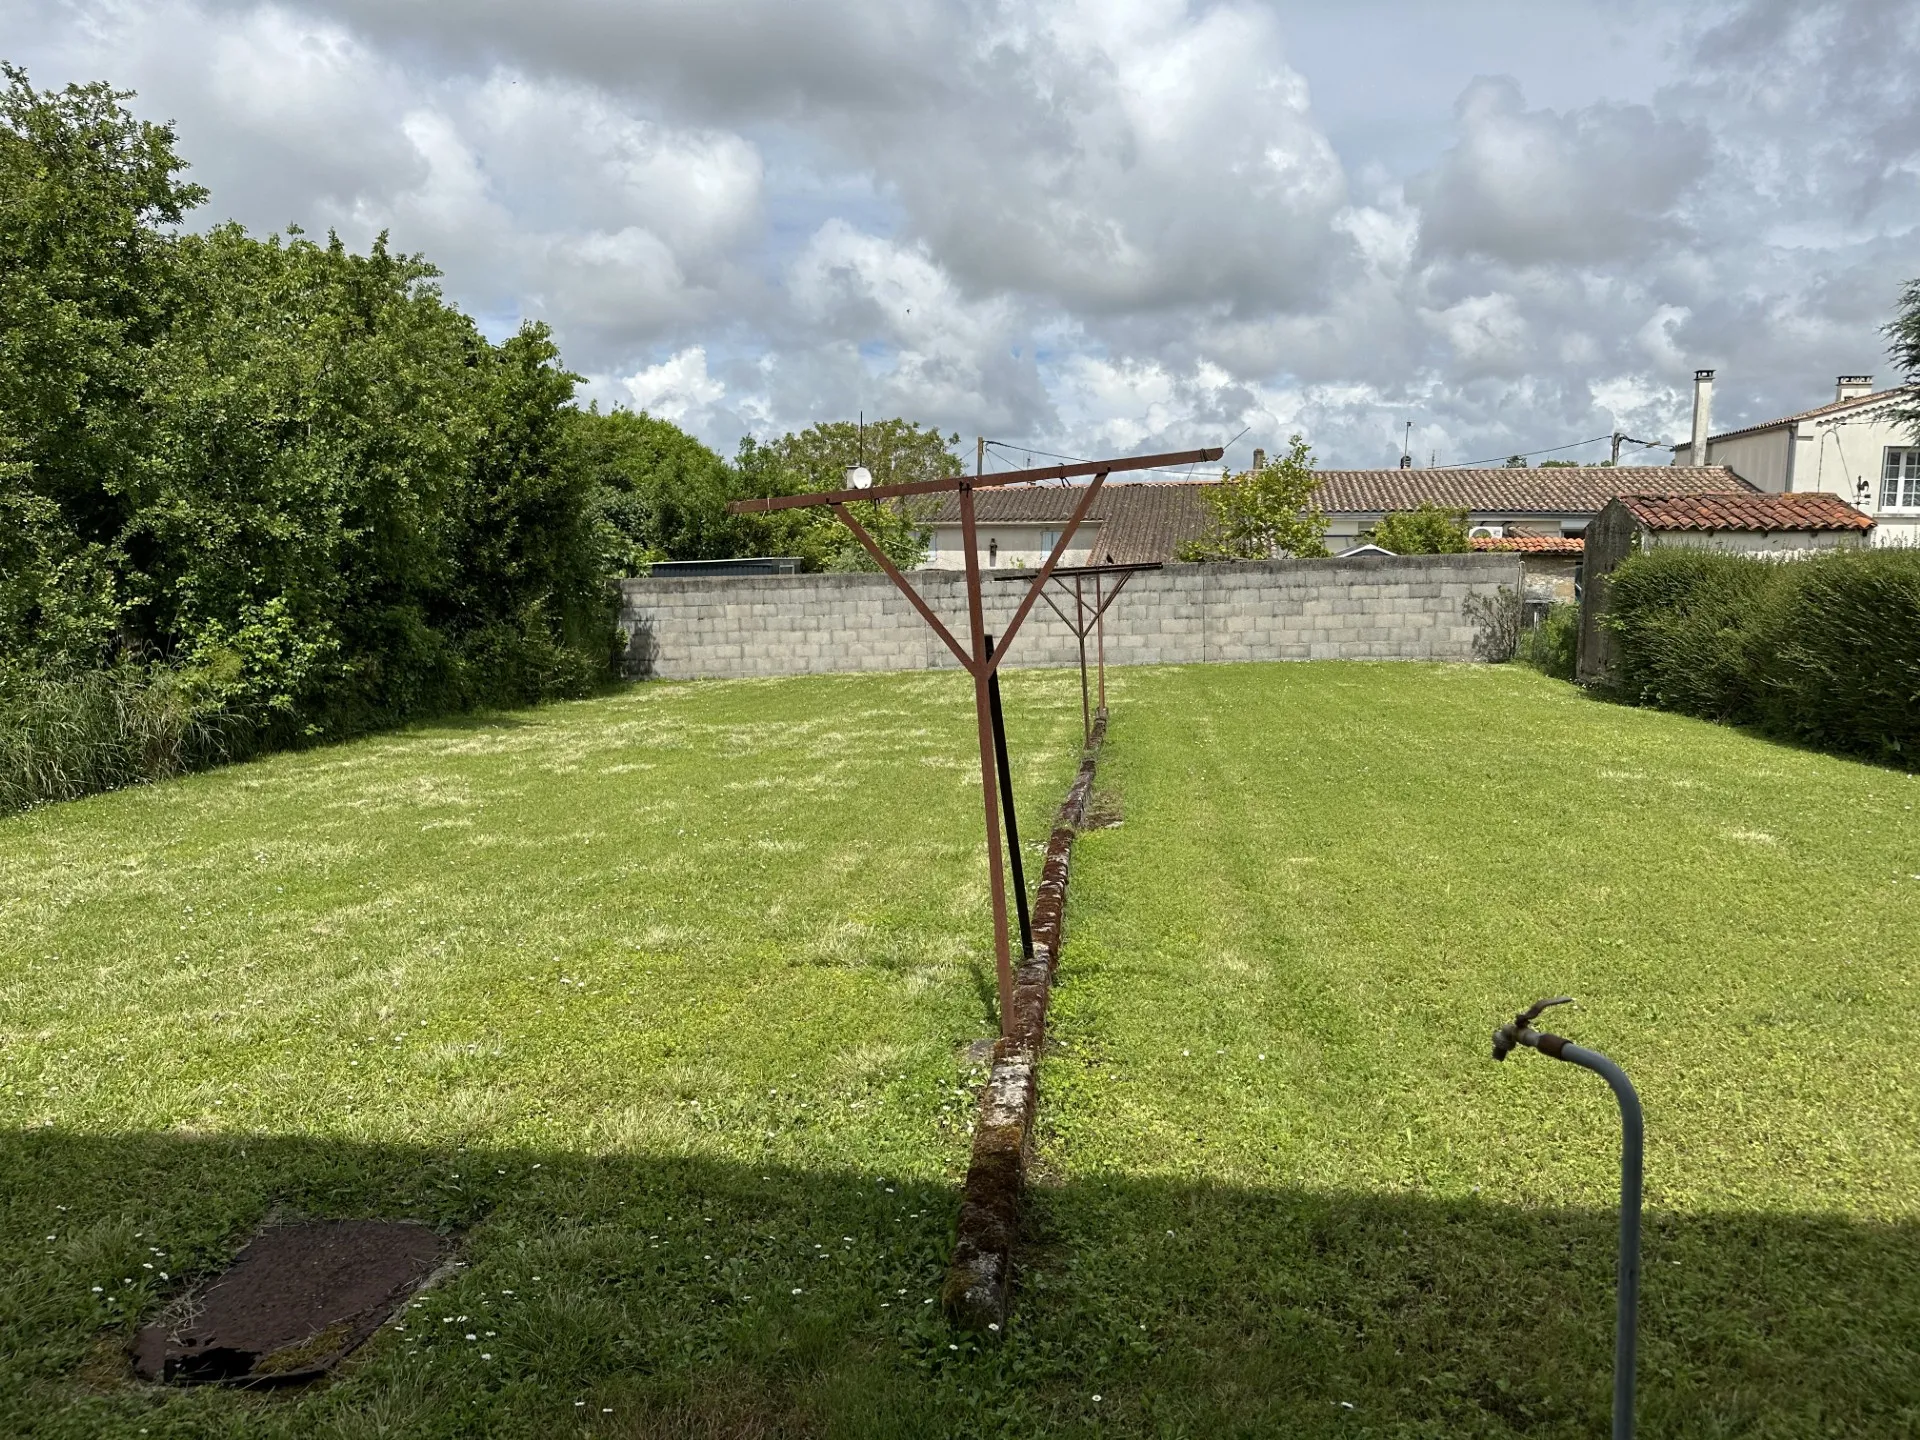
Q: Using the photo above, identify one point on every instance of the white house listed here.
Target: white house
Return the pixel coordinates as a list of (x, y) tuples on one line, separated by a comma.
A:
[(1854, 447)]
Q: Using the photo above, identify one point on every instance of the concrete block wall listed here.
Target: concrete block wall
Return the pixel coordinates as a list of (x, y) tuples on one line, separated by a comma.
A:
[(1371, 607)]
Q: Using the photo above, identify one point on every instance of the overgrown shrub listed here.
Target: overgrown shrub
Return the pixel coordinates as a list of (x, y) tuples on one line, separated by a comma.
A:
[(1825, 651), (1683, 618), (1428, 530), (1553, 645), (1837, 655)]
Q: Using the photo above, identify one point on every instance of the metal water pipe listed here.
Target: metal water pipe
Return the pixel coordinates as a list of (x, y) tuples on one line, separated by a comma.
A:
[(1520, 1031)]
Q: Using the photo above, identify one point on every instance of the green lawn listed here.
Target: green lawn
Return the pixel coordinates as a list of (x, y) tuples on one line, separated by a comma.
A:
[(661, 998)]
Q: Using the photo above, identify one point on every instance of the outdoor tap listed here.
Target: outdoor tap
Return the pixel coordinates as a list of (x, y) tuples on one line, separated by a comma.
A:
[(1520, 1031)]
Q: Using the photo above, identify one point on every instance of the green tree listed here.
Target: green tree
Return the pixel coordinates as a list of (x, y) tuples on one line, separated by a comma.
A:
[(86, 291), (1428, 530), (1516, 462), (271, 477), (894, 451), (1264, 513), (534, 612), (658, 493), (317, 416), (1903, 348)]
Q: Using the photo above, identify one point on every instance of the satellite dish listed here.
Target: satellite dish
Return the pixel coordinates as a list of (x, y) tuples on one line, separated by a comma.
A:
[(859, 477)]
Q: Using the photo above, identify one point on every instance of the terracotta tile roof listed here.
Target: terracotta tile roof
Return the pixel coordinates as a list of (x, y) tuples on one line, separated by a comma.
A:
[(1148, 521), (1028, 504), (1744, 510), (1145, 520), (1560, 490), (1533, 544), (1878, 397), (1140, 521)]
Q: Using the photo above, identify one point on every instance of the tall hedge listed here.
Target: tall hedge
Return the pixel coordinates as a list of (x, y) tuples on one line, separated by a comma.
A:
[(1825, 651)]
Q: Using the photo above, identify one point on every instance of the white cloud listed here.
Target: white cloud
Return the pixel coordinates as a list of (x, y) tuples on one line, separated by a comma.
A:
[(675, 388), (1088, 225)]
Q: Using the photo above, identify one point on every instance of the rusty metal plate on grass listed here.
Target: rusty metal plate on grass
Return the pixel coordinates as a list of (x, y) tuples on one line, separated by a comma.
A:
[(292, 1305)]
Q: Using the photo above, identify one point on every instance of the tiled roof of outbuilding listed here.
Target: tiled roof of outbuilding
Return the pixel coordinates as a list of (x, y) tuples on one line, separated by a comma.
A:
[(1745, 510), (1533, 544)]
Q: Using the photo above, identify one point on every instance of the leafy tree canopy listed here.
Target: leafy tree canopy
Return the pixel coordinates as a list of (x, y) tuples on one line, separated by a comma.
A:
[(659, 494), (894, 451), (292, 476), (1429, 530), (1264, 513)]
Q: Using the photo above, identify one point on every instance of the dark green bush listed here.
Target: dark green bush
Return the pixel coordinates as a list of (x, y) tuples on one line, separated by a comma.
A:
[(1553, 645), (1837, 662), (1683, 618), (1825, 651)]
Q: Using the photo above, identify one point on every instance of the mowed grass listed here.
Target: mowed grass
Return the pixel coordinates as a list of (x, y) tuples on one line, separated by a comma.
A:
[(1277, 1140), (656, 1003)]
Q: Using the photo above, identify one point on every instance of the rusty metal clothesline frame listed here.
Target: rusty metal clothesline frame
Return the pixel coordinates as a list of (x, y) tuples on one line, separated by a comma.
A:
[(981, 657), (1085, 623)]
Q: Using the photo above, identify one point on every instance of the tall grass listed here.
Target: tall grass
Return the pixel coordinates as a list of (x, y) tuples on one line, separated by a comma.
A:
[(71, 732)]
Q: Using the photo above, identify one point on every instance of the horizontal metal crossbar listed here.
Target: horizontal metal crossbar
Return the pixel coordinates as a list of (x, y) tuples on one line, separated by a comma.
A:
[(977, 482)]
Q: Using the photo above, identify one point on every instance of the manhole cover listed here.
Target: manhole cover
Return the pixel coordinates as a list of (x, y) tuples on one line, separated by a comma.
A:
[(292, 1305)]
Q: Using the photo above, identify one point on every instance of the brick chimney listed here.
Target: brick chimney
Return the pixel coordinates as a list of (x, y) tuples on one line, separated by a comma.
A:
[(1702, 415), (1259, 459), (1852, 387)]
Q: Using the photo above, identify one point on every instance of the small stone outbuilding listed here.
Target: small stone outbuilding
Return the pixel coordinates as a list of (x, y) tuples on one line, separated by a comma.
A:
[(1779, 527)]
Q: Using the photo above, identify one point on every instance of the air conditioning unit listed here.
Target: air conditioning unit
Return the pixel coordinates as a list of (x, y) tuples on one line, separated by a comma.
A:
[(1487, 532)]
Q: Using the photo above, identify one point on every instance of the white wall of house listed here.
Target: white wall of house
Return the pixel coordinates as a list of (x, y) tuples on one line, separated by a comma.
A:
[(1835, 453), (1347, 528), (1760, 459), (1011, 547)]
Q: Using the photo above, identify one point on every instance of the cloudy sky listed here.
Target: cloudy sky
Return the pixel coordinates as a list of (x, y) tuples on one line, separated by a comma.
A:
[(1090, 226)]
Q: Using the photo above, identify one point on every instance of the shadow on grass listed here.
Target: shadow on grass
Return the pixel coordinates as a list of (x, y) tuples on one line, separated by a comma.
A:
[(687, 1297)]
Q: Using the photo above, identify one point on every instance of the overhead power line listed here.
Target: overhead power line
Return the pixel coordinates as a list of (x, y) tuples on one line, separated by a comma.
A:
[(1528, 455)]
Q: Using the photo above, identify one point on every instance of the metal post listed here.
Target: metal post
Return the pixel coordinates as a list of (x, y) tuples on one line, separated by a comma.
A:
[(1632, 1150), (1006, 805), (1080, 635), (1100, 629), (983, 719), (1626, 1324)]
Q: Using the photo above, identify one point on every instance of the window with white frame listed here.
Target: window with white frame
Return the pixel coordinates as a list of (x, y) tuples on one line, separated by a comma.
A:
[(1048, 539), (1900, 480)]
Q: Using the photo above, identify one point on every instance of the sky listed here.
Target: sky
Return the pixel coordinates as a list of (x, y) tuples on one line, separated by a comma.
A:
[(1090, 227)]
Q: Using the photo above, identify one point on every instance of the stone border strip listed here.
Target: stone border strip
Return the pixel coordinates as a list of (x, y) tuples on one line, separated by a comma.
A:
[(979, 1276)]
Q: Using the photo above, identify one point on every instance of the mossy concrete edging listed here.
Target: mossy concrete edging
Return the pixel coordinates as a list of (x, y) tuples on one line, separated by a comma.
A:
[(979, 1277)]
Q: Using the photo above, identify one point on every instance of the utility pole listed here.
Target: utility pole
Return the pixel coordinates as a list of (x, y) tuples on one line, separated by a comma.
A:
[(1620, 439)]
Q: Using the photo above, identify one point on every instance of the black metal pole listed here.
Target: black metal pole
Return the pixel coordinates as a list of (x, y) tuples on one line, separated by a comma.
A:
[(1006, 803)]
